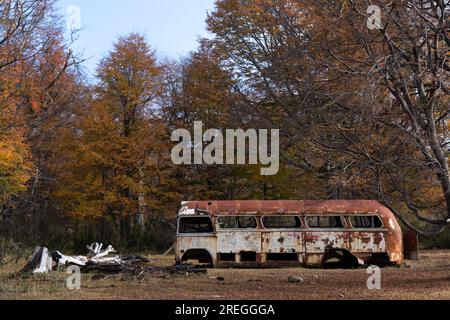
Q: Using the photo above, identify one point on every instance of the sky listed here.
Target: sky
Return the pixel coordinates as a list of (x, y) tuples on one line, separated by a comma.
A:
[(172, 27)]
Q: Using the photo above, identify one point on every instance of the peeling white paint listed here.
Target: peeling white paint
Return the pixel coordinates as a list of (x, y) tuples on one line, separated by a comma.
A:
[(185, 211), (392, 224)]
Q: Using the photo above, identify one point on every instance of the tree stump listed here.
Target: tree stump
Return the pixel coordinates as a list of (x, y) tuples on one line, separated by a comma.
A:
[(40, 262)]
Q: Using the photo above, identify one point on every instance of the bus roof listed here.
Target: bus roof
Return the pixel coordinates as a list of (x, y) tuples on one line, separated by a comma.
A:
[(291, 207)]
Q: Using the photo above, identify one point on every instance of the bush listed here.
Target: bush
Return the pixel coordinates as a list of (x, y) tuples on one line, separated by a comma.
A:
[(10, 248)]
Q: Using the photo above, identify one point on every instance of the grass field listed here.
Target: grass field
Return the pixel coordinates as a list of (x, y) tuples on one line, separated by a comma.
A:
[(426, 279)]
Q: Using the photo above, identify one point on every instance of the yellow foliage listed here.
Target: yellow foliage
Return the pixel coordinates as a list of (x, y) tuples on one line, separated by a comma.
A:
[(15, 165)]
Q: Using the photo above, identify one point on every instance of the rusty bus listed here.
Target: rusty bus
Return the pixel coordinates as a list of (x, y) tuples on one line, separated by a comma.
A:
[(282, 233)]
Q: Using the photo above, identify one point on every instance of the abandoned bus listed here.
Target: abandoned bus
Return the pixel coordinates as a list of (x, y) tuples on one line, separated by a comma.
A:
[(281, 233)]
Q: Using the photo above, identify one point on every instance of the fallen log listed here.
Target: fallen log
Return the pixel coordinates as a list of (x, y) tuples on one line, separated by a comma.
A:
[(182, 269), (104, 267), (128, 264)]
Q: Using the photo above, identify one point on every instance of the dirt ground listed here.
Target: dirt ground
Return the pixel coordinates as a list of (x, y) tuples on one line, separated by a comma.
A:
[(423, 280)]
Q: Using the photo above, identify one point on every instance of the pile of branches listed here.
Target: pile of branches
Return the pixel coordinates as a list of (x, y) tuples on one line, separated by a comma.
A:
[(102, 261), (97, 259)]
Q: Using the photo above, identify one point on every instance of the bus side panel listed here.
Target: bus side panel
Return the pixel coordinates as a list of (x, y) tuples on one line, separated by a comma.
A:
[(238, 241), (282, 242), (192, 242), (368, 242), (318, 242)]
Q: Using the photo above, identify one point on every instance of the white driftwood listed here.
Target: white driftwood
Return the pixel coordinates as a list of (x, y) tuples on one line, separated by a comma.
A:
[(95, 248), (96, 256), (96, 252), (97, 259), (67, 260), (116, 260), (104, 253)]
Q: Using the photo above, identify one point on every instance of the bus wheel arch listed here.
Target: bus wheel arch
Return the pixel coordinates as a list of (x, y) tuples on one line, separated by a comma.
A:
[(345, 259), (202, 255)]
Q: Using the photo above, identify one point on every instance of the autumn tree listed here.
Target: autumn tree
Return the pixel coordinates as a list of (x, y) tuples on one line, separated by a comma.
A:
[(200, 89), (30, 39), (197, 89), (15, 165), (399, 76), (111, 162), (264, 45), (18, 21), (363, 110)]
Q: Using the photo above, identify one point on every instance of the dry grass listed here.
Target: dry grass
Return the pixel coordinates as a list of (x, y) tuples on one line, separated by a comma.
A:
[(427, 279)]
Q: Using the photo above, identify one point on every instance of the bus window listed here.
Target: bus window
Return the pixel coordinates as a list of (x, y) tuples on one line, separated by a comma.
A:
[(227, 222), (237, 222), (284, 222), (366, 222), (195, 225), (326, 222), (247, 222)]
